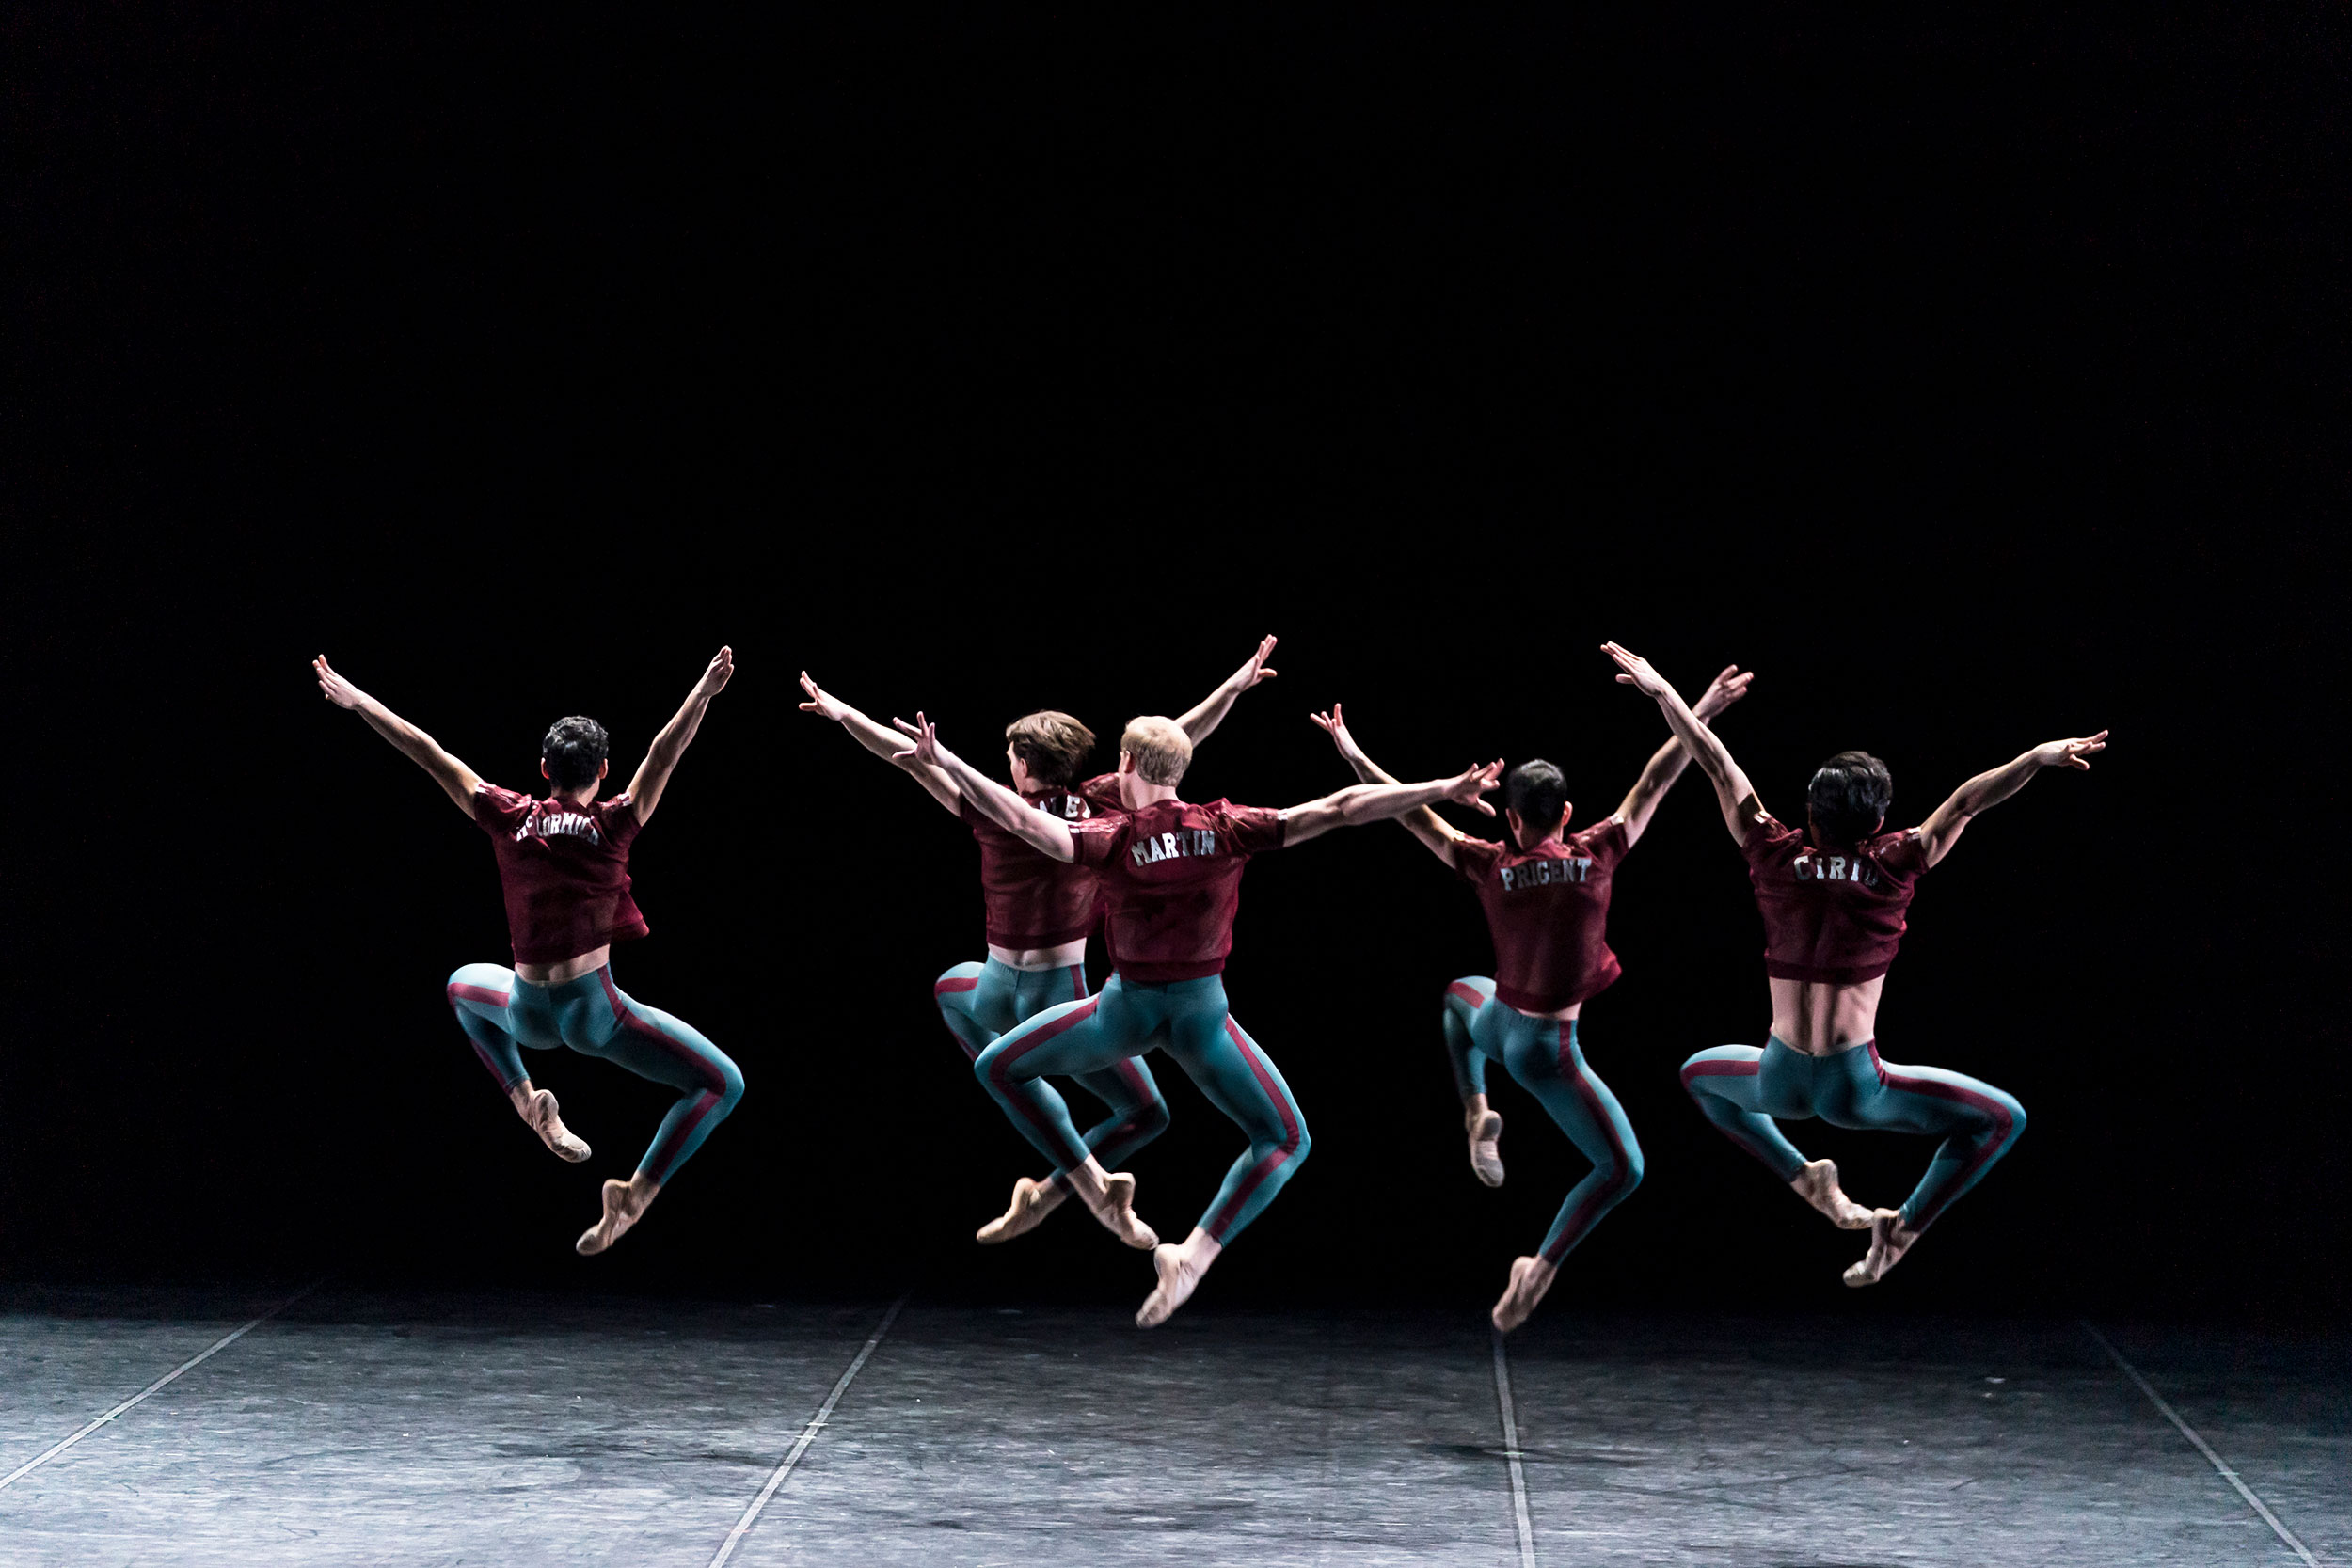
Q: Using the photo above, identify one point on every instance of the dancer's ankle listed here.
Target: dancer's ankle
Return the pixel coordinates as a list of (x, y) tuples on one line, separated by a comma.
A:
[(1473, 1107), (519, 1096), (1201, 1249)]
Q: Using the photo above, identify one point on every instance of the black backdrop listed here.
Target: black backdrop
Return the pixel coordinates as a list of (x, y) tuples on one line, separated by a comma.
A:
[(1974, 382)]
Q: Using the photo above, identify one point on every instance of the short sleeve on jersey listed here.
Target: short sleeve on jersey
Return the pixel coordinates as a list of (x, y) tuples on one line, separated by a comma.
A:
[(1767, 835), (1100, 792), (1905, 854), (497, 810), (1097, 839), (1474, 859), (1606, 840), (621, 821), (1250, 830)]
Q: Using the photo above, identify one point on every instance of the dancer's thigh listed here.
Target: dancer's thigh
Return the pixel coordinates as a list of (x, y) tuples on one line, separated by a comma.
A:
[(1073, 1038), (1239, 1078)]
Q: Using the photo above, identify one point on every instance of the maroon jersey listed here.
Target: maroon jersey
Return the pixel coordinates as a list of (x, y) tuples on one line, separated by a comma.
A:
[(1548, 908), (1835, 915), (565, 871), (1034, 900), (1170, 877)]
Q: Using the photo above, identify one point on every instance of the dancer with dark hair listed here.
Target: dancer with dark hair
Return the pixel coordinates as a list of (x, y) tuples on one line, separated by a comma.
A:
[(563, 864), (1546, 897), (1833, 896), (1171, 884), (1038, 911)]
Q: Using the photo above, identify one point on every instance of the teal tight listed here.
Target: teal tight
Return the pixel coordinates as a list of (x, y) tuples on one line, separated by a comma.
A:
[(983, 1001)]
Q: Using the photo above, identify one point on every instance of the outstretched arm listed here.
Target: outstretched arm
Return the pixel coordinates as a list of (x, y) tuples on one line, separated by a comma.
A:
[(1211, 710), (1732, 790), (1378, 803), (1667, 764), (653, 775), (885, 743), (457, 780), (1944, 825), (1425, 825), (1008, 811)]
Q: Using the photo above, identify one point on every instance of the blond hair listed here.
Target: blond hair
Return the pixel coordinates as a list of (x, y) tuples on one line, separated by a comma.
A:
[(1050, 744), (1161, 748)]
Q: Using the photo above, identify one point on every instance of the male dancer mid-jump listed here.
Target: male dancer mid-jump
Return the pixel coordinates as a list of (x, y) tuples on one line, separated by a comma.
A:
[(1833, 896), (563, 863), (1172, 884), (1038, 912), (1546, 897)]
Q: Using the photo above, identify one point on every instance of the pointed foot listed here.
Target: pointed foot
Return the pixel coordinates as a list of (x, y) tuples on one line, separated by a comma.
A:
[(1889, 1240), (1116, 1208), (1817, 1185), (539, 1112), (622, 1210), (1530, 1277), (1485, 1149), (1180, 1275), (1031, 1202)]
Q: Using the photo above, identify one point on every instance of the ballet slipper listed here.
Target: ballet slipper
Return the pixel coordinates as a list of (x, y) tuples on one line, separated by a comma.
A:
[(1031, 1202), (1485, 1152), (1530, 1278), (538, 1113), (1180, 1269), (1114, 1206), (1889, 1240), (1817, 1185), (623, 1205)]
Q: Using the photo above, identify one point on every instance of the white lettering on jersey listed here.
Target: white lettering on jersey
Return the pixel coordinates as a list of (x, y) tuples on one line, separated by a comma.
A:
[(1834, 868), (1073, 808), (568, 824), (1545, 873), (1185, 843)]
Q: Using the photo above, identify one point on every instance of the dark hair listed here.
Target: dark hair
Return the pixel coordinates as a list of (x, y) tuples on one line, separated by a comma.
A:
[(1050, 745), (1537, 791), (573, 751), (1850, 794)]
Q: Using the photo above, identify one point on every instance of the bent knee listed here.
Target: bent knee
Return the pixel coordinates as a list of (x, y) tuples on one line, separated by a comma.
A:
[(1300, 1143), (1629, 1172), (1149, 1115), (730, 1083), (2016, 1118), (984, 1064)]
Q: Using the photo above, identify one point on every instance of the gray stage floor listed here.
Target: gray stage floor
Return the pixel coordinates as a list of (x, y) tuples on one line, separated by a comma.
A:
[(357, 1429)]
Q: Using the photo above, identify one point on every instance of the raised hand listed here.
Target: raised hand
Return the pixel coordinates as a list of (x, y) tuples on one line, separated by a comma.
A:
[(2071, 753), (1254, 669), (1723, 691), (1335, 725), (820, 704), (1637, 672), (926, 738), (334, 687), (1469, 786), (715, 679)]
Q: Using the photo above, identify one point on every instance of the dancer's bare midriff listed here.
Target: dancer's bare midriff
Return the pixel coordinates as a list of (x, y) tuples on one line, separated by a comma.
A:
[(1820, 1019), (570, 969), (1068, 954)]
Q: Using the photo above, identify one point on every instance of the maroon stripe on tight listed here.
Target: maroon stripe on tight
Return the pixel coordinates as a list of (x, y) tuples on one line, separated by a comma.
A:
[(718, 1083), (1992, 1108), (1265, 1168), (494, 1069), (939, 987), (477, 993), (1077, 982), (1465, 994), (683, 1130), (1578, 1222), (999, 1073)]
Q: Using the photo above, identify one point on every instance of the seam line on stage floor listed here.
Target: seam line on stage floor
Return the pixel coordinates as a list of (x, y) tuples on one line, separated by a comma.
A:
[(171, 1377), (1510, 1451), (808, 1435), (2202, 1446)]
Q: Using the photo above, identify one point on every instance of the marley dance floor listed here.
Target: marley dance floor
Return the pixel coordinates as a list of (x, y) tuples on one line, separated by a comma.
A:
[(514, 1430)]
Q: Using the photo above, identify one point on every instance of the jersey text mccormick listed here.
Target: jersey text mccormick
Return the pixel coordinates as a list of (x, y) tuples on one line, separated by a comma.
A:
[(568, 824)]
